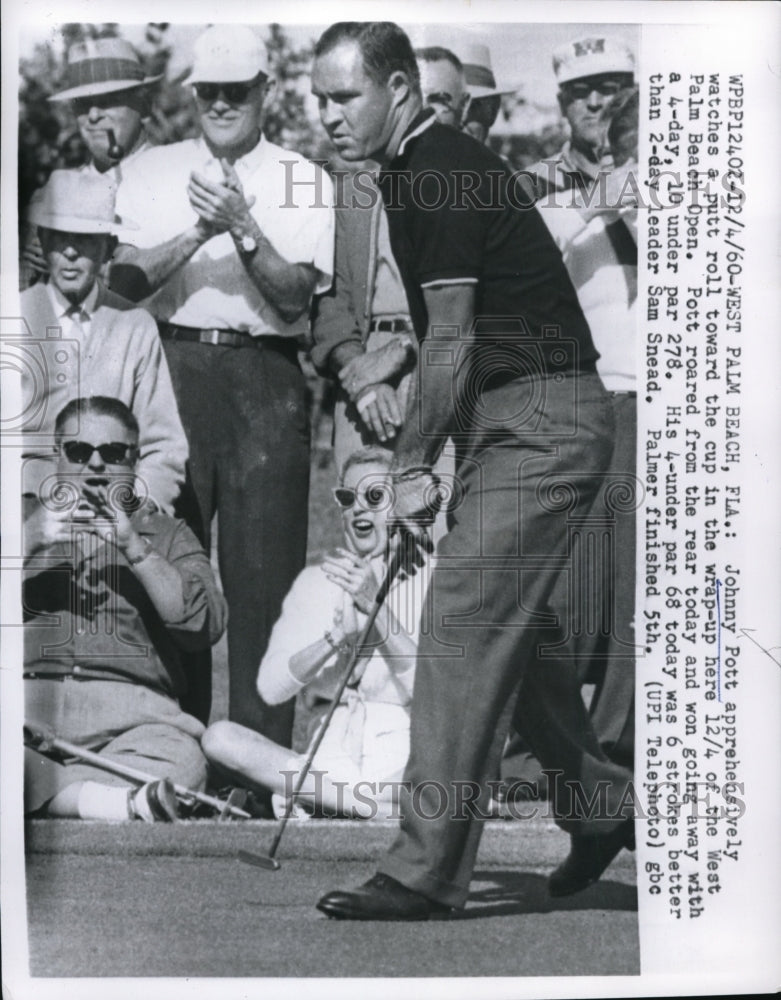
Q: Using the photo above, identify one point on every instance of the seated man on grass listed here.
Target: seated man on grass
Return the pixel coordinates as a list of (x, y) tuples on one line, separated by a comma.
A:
[(116, 596)]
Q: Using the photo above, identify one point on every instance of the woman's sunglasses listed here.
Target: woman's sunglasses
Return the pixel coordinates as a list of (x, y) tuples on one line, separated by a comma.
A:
[(374, 498), (114, 453)]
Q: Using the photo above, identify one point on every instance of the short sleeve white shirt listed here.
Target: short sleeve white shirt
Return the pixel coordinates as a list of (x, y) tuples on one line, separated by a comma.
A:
[(293, 208)]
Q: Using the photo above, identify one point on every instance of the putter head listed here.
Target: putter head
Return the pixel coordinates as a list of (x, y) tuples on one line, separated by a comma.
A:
[(259, 861)]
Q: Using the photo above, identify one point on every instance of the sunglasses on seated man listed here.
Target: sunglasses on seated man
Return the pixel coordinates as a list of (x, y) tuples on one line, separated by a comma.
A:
[(113, 453), (375, 497), (233, 93)]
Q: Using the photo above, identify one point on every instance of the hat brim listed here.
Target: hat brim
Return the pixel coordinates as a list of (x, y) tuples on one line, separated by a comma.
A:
[(225, 76), (105, 87), (476, 91), (84, 227), (596, 68)]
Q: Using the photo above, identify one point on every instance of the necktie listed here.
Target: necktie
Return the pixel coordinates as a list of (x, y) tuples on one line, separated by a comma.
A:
[(78, 318)]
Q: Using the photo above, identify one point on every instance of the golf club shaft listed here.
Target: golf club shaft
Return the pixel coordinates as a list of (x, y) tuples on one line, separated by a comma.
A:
[(122, 770), (393, 567)]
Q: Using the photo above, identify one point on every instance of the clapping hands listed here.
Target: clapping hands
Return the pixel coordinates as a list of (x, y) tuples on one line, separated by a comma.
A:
[(220, 206)]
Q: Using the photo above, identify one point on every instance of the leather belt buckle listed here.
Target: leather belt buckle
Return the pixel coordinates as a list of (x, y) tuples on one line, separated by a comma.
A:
[(394, 324), (212, 337)]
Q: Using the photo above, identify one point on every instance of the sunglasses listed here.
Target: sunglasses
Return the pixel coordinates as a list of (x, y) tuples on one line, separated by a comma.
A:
[(234, 93), (115, 453), (583, 88), (373, 498), (114, 99)]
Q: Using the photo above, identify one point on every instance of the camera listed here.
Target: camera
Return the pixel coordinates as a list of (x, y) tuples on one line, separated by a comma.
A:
[(46, 363)]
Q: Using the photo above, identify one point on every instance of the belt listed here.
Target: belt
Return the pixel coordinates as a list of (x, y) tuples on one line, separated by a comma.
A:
[(392, 324), (223, 338), (78, 673)]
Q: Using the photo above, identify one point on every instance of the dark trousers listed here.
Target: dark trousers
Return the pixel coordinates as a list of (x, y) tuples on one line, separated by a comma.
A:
[(528, 487), (244, 411), (613, 657), (602, 643)]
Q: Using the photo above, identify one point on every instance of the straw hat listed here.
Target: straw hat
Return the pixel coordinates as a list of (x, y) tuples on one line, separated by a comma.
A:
[(78, 201), (101, 66)]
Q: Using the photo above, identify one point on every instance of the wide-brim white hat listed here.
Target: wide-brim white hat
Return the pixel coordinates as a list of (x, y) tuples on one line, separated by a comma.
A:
[(473, 54), (478, 71), (77, 201)]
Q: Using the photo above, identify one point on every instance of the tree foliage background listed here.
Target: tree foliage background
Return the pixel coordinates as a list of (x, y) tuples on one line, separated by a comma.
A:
[(49, 138)]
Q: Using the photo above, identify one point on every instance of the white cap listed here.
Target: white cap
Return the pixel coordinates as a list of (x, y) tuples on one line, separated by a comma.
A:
[(228, 53), (591, 56)]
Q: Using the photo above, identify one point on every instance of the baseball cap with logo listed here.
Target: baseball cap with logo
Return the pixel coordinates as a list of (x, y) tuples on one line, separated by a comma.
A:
[(228, 53), (78, 201), (101, 66), (590, 57)]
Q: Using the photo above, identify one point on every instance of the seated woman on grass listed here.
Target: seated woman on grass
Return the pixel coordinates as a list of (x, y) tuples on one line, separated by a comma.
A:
[(367, 742)]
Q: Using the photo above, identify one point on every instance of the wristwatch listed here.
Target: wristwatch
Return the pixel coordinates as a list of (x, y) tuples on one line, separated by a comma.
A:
[(148, 550), (248, 244)]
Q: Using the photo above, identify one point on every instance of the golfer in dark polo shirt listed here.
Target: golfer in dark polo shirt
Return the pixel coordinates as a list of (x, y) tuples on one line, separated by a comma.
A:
[(507, 368)]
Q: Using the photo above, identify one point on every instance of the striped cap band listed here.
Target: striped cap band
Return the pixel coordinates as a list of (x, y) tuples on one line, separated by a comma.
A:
[(103, 70)]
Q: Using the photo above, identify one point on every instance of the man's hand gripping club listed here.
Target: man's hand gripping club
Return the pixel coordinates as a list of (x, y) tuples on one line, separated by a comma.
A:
[(417, 499)]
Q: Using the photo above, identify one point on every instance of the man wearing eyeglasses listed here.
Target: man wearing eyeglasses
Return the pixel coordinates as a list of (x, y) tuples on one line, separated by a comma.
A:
[(589, 73), (442, 83), (236, 235), (116, 598)]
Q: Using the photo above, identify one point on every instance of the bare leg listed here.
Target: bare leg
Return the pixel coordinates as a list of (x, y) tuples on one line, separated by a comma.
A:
[(255, 760)]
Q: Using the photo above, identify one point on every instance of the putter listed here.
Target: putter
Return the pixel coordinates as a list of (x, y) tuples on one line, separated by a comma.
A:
[(38, 738), (268, 861)]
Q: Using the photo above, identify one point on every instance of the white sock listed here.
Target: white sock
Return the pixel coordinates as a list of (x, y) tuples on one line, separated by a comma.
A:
[(98, 801), (138, 803)]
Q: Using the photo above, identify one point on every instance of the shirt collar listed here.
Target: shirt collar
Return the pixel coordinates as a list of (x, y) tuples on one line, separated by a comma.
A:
[(62, 307), (420, 123), (246, 164)]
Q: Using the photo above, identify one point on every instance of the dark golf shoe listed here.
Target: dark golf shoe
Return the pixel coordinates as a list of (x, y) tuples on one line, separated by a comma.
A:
[(381, 898), (589, 856), (160, 800)]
